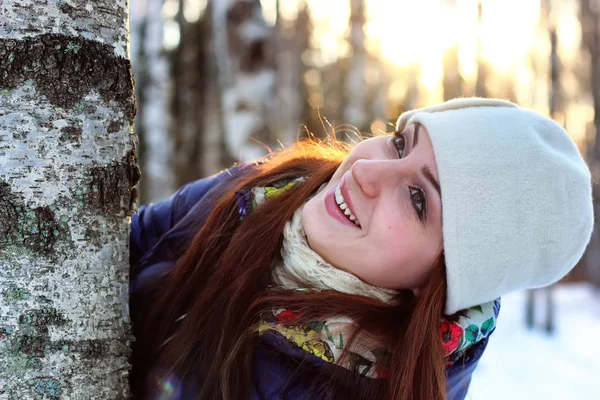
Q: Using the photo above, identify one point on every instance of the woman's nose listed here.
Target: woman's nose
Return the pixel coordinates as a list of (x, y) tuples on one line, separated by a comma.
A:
[(373, 176)]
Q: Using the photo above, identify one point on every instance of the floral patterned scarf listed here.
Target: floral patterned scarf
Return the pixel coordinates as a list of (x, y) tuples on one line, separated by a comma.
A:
[(327, 340)]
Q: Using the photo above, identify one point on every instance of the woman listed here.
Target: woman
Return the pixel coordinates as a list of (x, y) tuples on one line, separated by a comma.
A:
[(369, 274)]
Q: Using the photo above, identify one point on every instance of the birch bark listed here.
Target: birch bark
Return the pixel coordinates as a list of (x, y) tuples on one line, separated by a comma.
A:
[(246, 68), (188, 74), (159, 147), (291, 42), (356, 87), (67, 168), (153, 85)]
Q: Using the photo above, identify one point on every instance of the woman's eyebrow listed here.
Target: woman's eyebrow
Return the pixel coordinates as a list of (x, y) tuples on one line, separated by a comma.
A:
[(426, 171), (416, 135)]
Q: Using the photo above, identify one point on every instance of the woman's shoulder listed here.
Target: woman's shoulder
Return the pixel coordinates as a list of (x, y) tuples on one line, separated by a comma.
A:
[(160, 230), (174, 217), (284, 370)]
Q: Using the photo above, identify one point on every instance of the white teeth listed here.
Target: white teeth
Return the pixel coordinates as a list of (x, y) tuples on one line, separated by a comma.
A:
[(338, 196), (339, 199)]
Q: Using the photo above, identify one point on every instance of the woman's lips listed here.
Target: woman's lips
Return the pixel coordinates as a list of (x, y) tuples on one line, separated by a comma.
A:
[(334, 211)]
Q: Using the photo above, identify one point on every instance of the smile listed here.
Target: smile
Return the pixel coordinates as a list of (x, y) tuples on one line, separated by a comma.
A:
[(339, 199)]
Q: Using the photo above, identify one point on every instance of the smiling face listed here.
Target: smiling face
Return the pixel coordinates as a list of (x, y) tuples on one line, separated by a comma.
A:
[(389, 233)]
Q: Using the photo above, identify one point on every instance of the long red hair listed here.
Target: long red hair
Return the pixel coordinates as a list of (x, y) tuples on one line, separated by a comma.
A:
[(222, 283)]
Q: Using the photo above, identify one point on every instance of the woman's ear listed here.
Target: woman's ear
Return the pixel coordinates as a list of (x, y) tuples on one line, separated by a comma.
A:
[(417, 291)]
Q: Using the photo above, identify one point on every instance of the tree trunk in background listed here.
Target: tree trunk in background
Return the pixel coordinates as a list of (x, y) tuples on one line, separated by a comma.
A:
[(157, 182), (554, 106), (482, 70), (555, 103), (138, 11), (214, 155), (67, 167), (452, 79), (188, 112), (355, 85), (290, 44), (378, 92), (246, 68), (591, 41), (321, 85)]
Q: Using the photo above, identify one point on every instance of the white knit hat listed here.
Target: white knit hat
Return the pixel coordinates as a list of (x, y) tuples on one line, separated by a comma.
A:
[(516, 197)]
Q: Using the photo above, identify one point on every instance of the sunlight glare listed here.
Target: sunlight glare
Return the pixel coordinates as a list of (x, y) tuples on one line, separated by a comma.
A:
[(269, 9), (507, 36), (569, 33), (193, 9), (170, 9), (410, 31)]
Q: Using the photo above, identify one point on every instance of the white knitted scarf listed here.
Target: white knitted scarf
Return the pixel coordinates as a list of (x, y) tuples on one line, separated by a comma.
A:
[(303, 268)]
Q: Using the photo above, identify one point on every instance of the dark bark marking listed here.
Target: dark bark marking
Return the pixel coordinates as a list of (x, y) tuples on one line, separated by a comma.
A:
[(33, 346), (70, 134), (35, 229), (41, 319), (66, 8), (32, 340), (65, 69), (133, 168), (110, 189), (5, 332), (91, 349), (114, 126)]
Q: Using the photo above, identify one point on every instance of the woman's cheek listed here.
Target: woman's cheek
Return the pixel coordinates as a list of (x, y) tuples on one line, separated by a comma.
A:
[(398, 246)]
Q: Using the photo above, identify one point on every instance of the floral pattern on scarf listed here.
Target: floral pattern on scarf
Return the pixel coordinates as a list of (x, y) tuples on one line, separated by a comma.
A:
[(327, 339), (249, 199)]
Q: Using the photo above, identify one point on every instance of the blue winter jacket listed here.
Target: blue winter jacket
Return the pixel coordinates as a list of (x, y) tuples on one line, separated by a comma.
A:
[(159, 232)]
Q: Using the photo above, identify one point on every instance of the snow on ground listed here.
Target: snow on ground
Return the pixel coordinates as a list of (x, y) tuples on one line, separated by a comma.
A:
[(522, 364)]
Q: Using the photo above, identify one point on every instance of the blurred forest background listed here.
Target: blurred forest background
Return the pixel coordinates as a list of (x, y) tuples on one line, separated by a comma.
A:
[(219, 81)]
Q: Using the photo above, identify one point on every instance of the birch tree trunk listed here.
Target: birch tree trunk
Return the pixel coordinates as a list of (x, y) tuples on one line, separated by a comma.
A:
[(548, 21), (157, 165), (67, 167), (452, 80), (245, 64), (309, 118), (151, 69), (217, 73), (378, 99), (189, 81), (138, 28), (482, 70), (289, 46), (356, 87)]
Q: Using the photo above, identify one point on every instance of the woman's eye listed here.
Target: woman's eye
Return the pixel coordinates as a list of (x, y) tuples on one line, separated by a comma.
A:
[(399, 141), (419, 202)]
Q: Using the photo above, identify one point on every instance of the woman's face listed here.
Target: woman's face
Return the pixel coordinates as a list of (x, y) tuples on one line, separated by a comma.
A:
[(390, 232)]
